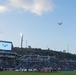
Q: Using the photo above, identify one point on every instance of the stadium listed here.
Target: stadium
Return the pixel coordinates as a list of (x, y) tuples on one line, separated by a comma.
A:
[(37, 37), (12, 62)]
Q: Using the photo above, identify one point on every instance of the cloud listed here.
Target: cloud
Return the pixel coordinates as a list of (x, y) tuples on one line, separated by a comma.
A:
[(3, 9), (41, 6), (34, 6)]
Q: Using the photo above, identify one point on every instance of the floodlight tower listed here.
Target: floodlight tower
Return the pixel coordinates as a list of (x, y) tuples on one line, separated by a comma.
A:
[(21, 34)]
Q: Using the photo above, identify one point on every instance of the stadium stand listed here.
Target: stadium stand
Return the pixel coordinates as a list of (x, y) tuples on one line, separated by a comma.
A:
[(10, 60), (7, 59)]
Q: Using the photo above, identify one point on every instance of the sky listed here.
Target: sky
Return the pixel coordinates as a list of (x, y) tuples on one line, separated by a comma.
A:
[(38, 21)]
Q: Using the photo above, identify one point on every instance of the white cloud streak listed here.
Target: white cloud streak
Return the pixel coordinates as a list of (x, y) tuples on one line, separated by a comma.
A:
[(34, 6), (3, 9)]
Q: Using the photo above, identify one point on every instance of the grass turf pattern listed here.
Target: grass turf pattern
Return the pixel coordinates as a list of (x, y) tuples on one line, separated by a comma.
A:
[(36, 73)]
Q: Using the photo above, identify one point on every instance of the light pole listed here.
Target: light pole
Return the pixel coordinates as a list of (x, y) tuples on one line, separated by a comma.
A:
[(21, 34), (26, 43)]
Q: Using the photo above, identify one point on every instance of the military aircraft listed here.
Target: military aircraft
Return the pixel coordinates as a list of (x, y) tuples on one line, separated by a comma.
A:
[(60, 23), (5, 45)]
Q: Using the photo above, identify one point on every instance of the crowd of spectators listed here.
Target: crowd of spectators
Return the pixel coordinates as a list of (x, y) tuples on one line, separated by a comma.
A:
[(38, 62), (45, 62)]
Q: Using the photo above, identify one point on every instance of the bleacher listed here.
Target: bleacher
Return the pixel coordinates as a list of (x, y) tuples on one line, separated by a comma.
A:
[(7, 57)]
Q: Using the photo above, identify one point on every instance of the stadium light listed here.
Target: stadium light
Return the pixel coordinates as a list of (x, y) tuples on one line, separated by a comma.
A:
[(21, 34)]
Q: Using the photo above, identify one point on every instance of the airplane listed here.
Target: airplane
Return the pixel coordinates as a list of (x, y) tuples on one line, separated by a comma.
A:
[(5, 45), (60, 23)]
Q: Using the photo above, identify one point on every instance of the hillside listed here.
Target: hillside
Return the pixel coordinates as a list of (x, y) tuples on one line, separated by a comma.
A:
[(38, 51)]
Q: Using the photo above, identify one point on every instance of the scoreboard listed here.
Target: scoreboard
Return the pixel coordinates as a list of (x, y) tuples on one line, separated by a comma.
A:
[(6, 45)]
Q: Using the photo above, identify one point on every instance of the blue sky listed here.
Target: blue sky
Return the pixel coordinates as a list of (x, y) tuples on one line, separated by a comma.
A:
[(38, 21)]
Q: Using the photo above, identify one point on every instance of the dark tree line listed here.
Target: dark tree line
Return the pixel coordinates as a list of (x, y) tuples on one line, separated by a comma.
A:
[(38, 51)]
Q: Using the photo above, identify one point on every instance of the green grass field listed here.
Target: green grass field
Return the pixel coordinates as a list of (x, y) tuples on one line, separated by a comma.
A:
[(36, 73)]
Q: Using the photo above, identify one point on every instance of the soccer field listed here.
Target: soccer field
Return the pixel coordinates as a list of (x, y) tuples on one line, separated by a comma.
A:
[(36, 73)]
